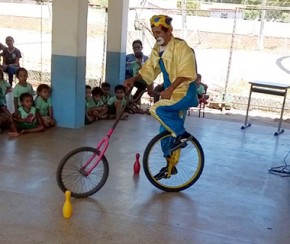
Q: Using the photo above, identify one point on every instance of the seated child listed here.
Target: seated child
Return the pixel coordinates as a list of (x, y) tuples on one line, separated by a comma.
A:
[(98, 110), (6, 120), (22, 87), (117, 102), (89, 104), (201, 90), (106, 90), (27, 118), (43, 105), (5, 87)]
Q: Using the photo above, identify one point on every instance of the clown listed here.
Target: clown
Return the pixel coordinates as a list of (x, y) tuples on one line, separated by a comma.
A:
[(176, 61)]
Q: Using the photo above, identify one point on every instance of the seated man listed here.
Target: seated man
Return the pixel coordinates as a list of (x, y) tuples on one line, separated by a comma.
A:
[(134, 62), (137, 47), (139, 84)]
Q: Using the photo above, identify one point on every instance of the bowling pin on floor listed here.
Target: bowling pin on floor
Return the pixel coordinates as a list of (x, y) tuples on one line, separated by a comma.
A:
[(137, 164), (67, 206)]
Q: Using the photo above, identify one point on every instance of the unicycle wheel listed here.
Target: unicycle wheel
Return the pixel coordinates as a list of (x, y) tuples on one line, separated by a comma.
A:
[(71, 176), (187, 170)]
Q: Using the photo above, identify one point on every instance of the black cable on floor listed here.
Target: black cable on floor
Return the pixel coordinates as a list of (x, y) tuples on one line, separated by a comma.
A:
[(283, 171)]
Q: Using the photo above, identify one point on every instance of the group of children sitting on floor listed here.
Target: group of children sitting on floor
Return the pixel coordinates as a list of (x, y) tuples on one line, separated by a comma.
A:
[(30, 115), (34, 115), (101, 105)]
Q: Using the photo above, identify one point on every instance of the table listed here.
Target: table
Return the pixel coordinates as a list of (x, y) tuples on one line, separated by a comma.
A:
[(270, 88)]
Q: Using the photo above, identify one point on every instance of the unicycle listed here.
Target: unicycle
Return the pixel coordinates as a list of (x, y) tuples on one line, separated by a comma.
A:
[(84, 170), (188, 162)]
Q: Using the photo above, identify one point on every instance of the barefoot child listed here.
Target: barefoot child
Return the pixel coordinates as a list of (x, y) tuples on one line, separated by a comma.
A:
[(27, 118), (6, 120), (22, 87), (44, 106), (99, 109), (89, 118), (4, 88), (117, 102), (106, 90)]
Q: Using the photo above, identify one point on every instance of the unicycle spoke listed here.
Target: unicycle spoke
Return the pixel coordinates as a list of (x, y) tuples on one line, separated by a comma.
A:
[(187, 170), (72, 176)]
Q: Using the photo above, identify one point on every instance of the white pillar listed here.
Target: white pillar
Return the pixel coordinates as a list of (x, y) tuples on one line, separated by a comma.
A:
[(116, 42), (68, 63)]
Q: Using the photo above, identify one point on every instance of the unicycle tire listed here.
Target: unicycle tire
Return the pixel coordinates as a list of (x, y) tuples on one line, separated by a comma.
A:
[(189, 167), (69, 176)]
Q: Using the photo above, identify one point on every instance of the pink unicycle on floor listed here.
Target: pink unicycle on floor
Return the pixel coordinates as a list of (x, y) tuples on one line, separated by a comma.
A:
[(85, 170)]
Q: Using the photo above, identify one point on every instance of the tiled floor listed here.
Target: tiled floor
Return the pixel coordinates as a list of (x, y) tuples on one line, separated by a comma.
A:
[(236, 200)]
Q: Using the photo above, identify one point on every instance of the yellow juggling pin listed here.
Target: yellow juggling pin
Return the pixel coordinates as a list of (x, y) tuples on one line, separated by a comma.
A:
[(67, 206)]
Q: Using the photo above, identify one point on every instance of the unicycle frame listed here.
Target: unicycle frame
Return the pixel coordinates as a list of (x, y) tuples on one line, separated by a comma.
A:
[(102, 148), (103, 145), (173, 161)]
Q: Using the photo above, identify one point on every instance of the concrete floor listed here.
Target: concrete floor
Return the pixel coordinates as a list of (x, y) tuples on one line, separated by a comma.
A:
[(236, 200)]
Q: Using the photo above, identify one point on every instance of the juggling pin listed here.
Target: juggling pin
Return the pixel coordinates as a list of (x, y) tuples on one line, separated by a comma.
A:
[(137, 164), (67, 206)]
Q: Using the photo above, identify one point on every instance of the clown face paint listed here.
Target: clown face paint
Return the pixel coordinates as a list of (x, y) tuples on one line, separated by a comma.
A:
[(160, 41), (162, 37)]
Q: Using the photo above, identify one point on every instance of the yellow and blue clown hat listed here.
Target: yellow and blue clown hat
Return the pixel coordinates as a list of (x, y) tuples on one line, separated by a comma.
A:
[(161, 21)]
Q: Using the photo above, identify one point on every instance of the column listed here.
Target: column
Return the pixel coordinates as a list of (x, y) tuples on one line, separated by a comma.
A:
[(116, 41), (68, 63)]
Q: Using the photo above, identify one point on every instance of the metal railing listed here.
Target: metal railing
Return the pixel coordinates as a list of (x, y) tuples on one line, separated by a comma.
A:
[(233, 46)]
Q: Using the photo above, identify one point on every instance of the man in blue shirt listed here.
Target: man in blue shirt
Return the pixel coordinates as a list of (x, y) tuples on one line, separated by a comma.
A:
[(130, 59), (137, 47)]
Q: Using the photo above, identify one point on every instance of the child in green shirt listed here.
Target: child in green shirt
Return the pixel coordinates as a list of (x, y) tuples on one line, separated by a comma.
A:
[(43, 105), (89, 104), (5, 87), (27, 117), (22, 87), (106, 90), (99, 110), (117, 102)]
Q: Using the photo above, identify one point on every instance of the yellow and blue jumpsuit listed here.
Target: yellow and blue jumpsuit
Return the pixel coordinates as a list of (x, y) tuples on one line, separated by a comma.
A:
[(178, 60)]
